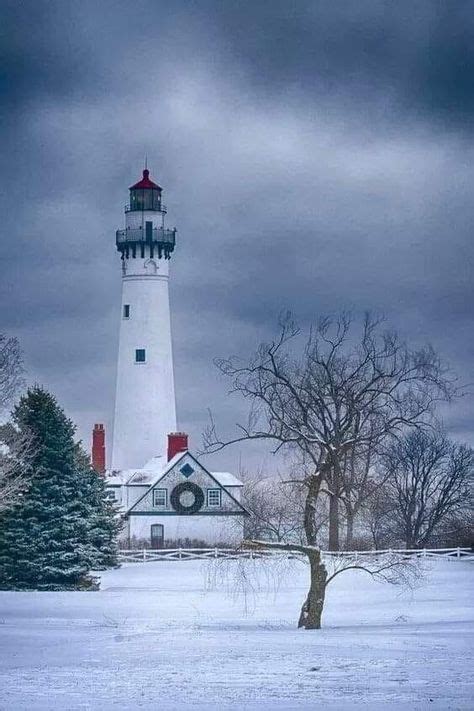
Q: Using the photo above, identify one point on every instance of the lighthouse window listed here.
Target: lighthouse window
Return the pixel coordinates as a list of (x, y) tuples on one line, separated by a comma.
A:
[(213, 497), (140, 355), (160, 498), (126, 310)]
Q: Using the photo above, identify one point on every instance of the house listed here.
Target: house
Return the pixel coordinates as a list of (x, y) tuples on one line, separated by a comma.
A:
[(178, 501)]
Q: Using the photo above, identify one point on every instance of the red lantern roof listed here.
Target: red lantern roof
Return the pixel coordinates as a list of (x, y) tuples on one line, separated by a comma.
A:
[(145, 182)]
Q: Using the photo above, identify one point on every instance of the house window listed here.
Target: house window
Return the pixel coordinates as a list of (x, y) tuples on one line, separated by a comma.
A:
[(126, 310), (213, 497), (140, 356), (160, 498)]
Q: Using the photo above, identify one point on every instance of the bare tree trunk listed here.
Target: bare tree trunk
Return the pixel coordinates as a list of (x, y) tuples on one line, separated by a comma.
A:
[(349, 528), (312, 610), (309, 522), (333, 523)]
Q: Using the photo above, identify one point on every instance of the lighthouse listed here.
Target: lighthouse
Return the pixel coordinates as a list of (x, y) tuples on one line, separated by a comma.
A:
[(164, 493), (145, 408)]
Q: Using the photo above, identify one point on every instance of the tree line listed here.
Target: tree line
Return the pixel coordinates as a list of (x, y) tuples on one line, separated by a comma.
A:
[(418, 494)]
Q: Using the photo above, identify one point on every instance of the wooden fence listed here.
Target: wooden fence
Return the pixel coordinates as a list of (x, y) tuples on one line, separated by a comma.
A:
[(147, 555)]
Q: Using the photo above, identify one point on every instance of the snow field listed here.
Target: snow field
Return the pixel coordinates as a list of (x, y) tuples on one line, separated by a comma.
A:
[(173, 635)]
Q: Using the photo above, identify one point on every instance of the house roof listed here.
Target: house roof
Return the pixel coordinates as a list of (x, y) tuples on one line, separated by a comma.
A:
[(177, 457), (156, 464), (226, 479), (130, 477), (140, 477), (156, 468)]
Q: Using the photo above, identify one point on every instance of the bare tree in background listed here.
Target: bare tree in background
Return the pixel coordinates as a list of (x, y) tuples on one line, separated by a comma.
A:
[(430, 479), (11, 370), (13, 448), (457, 529), (346, 390), (15, 453), (275, 508), (358, 486), (377, 518)]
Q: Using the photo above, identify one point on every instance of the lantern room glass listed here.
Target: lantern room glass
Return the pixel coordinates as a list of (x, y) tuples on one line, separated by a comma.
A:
[(145, 199)]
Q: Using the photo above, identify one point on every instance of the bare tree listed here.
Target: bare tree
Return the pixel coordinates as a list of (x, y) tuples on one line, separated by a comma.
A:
[(15, 453), (430, 478), (377, 517), (13, 448), (275, 508), (358, 485), (457, 529), (389, 567), (345, 391), (11, 370)]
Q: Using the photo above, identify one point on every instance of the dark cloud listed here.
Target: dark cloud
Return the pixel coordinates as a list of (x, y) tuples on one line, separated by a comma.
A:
[(411, 58), (316, 156)]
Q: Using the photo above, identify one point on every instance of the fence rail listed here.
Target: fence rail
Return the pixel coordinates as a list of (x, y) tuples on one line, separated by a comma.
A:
[(148, 555)]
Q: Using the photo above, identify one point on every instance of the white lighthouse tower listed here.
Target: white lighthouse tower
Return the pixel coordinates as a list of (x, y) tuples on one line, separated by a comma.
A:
[(145, 409)]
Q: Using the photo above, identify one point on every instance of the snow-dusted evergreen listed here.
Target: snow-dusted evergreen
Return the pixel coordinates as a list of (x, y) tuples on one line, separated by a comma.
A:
[(61, 526), (105, 521)]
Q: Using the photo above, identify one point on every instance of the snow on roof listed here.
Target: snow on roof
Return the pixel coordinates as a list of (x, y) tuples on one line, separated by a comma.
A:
[(140, 477), (226, 479), (160, 471), (155, 469), (127, 476), (156, 464), (115, 477)]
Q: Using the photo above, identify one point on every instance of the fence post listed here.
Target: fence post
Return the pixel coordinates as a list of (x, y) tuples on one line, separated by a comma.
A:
[(458, 552), (215, 552), (423, 555), (179, 554), (144, 554)]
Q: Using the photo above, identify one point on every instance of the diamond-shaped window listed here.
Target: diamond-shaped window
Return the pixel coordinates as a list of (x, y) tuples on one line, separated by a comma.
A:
[(186, 470)]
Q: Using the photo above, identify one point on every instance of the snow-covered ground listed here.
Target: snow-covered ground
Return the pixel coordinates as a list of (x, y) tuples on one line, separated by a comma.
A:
[(168, 635)]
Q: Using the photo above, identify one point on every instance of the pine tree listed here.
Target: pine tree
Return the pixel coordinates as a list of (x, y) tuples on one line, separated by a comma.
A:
[(47, 536), (105, 522)]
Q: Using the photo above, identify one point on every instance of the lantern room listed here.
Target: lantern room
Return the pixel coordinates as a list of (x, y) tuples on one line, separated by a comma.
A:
[(145, 195)]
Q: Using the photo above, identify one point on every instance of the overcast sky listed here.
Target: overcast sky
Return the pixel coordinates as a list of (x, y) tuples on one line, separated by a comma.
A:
[(316, 156)]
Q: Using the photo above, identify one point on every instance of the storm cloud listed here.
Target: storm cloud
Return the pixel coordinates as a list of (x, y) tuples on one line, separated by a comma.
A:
[(315, 156)]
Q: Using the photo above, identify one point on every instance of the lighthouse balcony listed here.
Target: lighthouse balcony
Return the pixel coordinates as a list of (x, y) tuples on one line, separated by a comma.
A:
[(132, 239)]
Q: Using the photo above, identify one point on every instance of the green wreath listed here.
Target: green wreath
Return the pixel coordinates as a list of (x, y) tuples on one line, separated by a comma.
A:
[(180, 489)]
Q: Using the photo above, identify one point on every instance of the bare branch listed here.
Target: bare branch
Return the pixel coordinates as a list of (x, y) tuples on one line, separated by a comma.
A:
[(11, 370)]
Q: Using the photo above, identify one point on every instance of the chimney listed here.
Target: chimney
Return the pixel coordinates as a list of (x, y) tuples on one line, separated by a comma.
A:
[(177, 442), (98, 448)]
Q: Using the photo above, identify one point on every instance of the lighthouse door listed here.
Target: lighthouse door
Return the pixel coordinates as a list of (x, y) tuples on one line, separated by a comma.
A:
[(157, 535)]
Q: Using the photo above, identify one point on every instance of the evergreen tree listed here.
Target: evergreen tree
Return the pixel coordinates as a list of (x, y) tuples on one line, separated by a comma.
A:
[(104, 522), (49, 536)]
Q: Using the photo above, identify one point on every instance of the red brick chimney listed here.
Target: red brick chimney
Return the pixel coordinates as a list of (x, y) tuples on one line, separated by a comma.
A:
[(177, 442), (98, 448)]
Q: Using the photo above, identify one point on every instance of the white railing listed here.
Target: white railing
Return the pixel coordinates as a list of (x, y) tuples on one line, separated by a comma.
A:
[(147, 555)]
